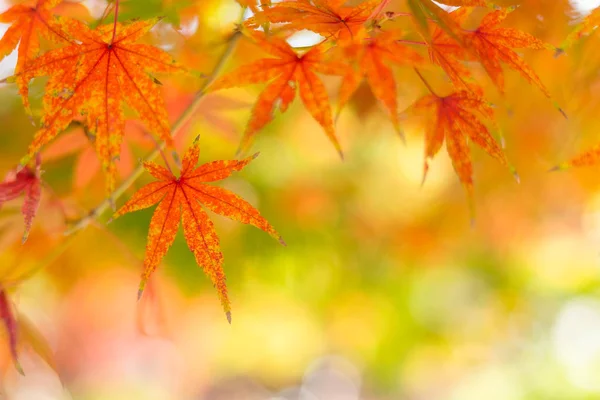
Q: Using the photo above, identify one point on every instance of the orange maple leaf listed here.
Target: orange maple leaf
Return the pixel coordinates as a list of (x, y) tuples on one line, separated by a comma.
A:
[(586, 159), (95, 76), (284, 74), (488, 44), (371, 56), (27, 181), (327, 17), (29, 21), (179, 200), (454, 121), (493, 46), (446, 52)]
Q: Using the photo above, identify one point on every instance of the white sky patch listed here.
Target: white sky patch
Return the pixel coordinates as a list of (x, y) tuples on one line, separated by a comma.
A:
[(96, 7), (188, 28), (584, 7), (445, 7), (305, 38), (7, 65)]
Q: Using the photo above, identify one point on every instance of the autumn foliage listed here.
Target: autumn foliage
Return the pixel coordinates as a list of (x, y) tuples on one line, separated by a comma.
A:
[(101, 77)]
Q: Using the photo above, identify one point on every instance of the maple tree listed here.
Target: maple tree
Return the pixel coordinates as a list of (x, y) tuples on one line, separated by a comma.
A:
[(100, 81)]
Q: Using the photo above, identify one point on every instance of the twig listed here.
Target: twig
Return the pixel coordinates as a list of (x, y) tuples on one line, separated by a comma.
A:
[(176, 128), (115, 24), (425, 82)]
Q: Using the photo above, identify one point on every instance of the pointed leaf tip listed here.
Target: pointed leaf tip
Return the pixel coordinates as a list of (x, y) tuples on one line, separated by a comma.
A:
[(228, 315), (18, 367), (25, 236), (517, 177), (564, 114), (283, 243), (255, 155), (141, 289)]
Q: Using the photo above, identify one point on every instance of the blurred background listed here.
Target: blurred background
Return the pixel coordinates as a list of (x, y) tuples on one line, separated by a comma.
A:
[(385, 290)]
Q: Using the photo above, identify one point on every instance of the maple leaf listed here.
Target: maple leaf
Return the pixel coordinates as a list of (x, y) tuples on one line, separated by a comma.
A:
[(446, 52), (284, 74), (327, 17), (585, 159), (95, 76), (26, 181), (21, 331), (493, 46), (454, 121), (10, 324), (180, 199), (371, 56), (28, 22), (587, 26)]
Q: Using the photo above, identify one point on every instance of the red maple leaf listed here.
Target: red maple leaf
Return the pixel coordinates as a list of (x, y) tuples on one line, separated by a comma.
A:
[(26, 180)]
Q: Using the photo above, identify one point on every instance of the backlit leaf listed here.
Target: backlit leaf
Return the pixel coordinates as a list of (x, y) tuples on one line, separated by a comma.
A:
[(284, 74), (181, 200)]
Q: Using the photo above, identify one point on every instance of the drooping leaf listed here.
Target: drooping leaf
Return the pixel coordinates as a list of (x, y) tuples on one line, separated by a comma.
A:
[(20, 332), (329, 18), (288, 71), (10, 324), (181, 200), (27, 181), (455, 119), (94, 77), (372, 57)]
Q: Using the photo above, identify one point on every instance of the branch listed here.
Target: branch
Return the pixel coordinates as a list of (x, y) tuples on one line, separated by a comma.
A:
[(175, 130)]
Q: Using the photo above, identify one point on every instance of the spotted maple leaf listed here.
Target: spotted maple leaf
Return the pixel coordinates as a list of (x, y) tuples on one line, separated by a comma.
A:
[(329, 18), (288, 71), (27, 181), (29, 21), (586, 159), (455, 119), (180, 199), (371, 58), (94, 77), (494, 46)]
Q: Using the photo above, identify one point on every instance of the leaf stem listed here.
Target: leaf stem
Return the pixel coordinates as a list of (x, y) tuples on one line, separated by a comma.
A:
[(184, 118), (157, 147), (426, 83), (115, 24), (415, 42)]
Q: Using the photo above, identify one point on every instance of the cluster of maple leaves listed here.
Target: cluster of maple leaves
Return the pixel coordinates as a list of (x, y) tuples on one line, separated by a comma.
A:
[(93, 73)]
